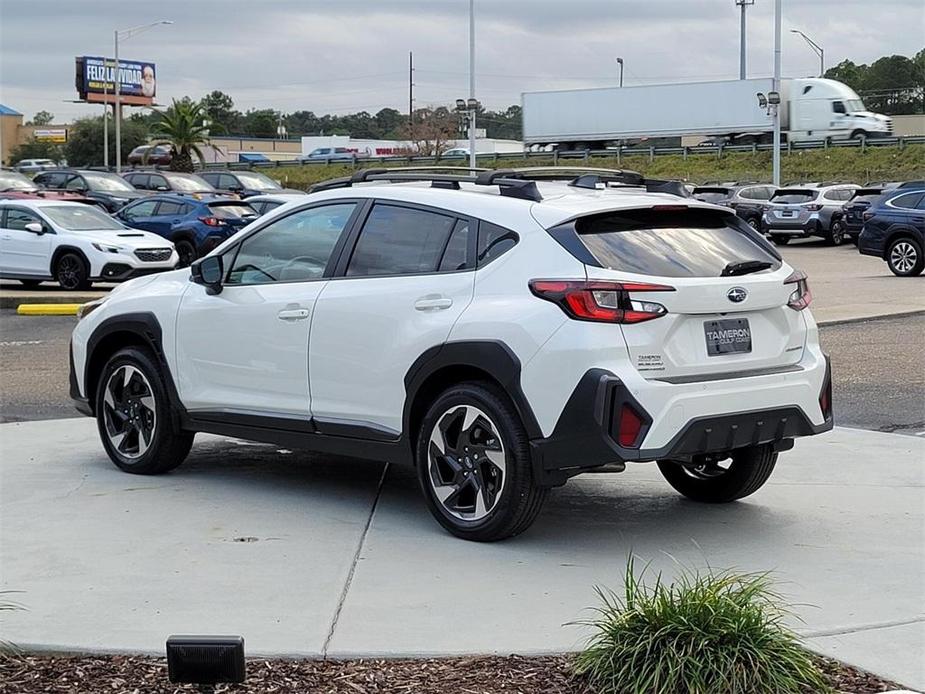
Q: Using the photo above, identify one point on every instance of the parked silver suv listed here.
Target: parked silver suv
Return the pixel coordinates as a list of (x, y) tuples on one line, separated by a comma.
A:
[(798, 212)]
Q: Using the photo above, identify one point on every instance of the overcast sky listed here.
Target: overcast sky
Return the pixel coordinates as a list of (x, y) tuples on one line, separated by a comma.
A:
[(340, 56)]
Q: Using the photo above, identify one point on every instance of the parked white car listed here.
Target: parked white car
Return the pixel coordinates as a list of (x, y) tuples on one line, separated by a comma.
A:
[(498, 334), (75, 245), (35, 165)]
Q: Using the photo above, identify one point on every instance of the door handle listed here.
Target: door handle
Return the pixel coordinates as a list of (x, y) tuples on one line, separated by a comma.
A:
[(433, 303), (293, 314)]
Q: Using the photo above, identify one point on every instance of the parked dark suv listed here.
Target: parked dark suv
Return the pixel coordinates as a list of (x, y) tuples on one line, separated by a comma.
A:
[(108, 190), (244, 183), (748, 200), (851, 219), (170, 181), (894, 230)]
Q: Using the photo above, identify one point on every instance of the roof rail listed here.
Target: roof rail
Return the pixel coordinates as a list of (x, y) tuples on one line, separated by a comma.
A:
[(517, 183)]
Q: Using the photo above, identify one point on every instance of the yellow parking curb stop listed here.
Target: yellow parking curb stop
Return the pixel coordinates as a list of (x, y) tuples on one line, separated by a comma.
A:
[(48, 309)]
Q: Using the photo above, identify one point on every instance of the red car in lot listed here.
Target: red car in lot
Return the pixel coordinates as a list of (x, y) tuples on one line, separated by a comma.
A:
[(15, 186)]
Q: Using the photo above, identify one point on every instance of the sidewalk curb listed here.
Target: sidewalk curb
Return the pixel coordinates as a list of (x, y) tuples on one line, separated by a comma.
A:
[(15, 301), (864, 319)]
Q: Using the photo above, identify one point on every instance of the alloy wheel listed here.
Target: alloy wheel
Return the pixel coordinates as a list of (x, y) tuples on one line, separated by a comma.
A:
[(69, 271), (838, 233), (466, 463), (129, 411), (903, 257)]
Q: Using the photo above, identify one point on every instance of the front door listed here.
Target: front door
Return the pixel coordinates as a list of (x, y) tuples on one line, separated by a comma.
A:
[(23, 252), (408, 279), (245, 349)]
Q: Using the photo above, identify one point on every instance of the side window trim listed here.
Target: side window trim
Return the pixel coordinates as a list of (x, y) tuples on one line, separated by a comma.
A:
[(350, 241), (231, 254)]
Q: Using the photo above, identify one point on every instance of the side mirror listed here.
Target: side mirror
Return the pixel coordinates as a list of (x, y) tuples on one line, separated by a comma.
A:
[(35, 228), (208, 272), (162, 188)]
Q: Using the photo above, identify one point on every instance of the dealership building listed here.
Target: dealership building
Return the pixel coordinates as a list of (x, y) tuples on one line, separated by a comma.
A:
[(13, 132)]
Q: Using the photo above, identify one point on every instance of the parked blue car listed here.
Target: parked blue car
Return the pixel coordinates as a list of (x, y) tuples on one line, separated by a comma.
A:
[(894, 230), (194, 226)]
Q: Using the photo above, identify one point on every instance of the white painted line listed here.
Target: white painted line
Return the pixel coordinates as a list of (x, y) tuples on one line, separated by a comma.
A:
[(20, 343)]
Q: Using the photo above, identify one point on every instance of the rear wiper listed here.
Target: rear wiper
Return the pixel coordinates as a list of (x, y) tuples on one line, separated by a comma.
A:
[(746, 267)]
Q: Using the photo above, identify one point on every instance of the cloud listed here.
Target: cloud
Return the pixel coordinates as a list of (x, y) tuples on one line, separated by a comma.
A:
[(349, 55)]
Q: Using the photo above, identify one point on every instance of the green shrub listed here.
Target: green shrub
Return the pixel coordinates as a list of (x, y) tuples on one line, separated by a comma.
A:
[(707, 632)]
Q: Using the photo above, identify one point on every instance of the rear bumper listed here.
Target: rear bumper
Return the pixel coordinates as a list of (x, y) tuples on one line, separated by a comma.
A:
[(81, 404), (807, 227), (870, 246), (586, 435)]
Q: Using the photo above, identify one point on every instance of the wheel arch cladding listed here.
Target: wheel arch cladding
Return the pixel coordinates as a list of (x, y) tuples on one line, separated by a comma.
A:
[(443, 366), (129, 330), (61, 250)]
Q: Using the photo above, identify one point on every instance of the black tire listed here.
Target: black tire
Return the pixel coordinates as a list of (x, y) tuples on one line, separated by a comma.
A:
[(72, 272), (165, 446), (510, 506), (780, 239), (187, 252), (30, 284), (904, 257), (836, 233), (858, 134), (748, 469)]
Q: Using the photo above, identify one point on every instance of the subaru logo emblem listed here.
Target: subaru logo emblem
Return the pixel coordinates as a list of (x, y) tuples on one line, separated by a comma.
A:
[(737, 295)]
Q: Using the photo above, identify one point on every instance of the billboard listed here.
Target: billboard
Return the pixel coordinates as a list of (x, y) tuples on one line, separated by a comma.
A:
[(96, 80)]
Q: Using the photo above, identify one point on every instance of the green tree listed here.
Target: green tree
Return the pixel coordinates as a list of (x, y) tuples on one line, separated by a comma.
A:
[(180, 128), (390, 122), (85, 141), (261, 122), (219, 110), (35, 149), (42, 118)]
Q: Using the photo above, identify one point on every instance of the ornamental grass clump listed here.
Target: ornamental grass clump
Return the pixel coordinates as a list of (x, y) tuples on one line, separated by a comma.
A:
[(706, 632)]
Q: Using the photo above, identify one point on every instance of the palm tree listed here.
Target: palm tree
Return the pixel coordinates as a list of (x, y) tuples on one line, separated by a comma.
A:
[(181, 127)]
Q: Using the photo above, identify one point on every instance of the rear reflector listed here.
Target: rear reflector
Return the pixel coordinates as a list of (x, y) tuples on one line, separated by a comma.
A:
[(601, 301), (630, 425), (802, 297)]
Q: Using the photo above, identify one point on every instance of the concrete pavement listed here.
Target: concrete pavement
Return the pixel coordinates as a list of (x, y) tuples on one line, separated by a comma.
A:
[(308, 555)]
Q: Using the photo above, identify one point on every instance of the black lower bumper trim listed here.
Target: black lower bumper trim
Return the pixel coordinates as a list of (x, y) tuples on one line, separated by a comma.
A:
[(81, 403), (585, 435)]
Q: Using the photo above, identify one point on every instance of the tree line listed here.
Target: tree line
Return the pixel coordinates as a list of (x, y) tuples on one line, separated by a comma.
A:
[(893, 84)]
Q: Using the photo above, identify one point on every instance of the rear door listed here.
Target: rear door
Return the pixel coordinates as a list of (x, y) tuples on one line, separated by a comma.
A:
[(140, 215), (403, 283), (168, 214), (716, 321)]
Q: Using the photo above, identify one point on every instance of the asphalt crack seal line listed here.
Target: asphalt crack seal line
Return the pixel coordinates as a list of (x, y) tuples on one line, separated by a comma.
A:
[(353, 565)]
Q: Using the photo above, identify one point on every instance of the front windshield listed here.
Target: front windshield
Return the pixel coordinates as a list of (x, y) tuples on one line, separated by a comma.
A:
[(77, 217), (189, 183), (10, 180), (258, 181), (855, 105), (109, 183)]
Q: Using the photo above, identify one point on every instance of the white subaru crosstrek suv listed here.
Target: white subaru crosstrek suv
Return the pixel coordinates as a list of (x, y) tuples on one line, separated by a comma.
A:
[(75, 244), (499, 333)]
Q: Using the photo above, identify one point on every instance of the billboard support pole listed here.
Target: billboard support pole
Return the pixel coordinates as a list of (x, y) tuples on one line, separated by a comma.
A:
[(118, 106)]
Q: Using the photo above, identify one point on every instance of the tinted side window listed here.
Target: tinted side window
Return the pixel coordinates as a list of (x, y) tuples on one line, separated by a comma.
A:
[(75, 183), (751, 193), (838, 106), (142, 209), (292, 249), (171, 208), (400, 241), (156, 182), (227, 181), (210, 178), (907, 201), (493, 242), (456, 255), (18, 219)]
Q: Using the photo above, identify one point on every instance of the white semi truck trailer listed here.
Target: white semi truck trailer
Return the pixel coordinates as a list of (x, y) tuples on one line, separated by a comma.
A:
[(810, 109)]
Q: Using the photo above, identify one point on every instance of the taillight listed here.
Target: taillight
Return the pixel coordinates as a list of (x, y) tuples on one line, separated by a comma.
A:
[(211, 221), (601, 301), (629, 426), (802, 296), (813, 207)]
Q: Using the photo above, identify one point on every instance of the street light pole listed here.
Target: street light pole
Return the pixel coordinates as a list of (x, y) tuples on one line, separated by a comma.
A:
[(126, 33), (105, 115), (819, 50), (472, 158), (743, 4), (776, 87), (620, 63)]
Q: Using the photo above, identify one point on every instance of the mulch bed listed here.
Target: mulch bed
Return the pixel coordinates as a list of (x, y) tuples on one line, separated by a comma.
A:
[(474, 675)]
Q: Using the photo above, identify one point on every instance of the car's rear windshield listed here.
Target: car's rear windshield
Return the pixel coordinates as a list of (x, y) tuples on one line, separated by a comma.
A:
[(235, 210), (76, 217), (792, 195), (671, 243), (710, 194), (189, 182)]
